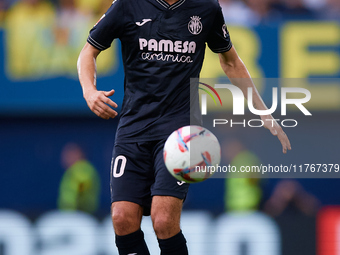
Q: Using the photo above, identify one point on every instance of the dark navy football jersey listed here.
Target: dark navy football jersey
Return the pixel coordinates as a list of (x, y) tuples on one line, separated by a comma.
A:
[(163, 47)]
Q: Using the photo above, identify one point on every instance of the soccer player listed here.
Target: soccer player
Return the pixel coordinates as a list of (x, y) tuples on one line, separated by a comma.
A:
[(163, 44)]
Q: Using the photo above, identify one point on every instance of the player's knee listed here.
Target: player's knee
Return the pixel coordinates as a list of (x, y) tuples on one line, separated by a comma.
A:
[(124, 222), (164, 226), (120, 218)]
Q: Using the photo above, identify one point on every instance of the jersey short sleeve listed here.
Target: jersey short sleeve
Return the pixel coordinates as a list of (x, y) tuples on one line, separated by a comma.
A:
[(109, 27), (219, 38)]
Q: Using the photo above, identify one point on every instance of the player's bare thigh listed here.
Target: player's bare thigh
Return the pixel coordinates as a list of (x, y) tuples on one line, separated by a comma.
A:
[(165, 215), (126, 217)]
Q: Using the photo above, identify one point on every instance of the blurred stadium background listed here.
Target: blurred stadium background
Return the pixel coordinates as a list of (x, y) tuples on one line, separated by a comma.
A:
[(55, 154)]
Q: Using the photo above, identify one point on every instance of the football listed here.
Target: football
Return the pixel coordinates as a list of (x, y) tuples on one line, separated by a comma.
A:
[(190, 153)]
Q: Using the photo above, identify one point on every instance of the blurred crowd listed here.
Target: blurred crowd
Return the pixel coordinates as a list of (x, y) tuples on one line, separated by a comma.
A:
[(255, 12), (236, 12), (66, 10), (53, 33)]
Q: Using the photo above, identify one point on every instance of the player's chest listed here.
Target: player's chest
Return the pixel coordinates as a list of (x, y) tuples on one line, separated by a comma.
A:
[(177, 25)]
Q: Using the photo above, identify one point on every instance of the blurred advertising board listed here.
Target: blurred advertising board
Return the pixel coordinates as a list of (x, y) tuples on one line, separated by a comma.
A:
[(72, 233)]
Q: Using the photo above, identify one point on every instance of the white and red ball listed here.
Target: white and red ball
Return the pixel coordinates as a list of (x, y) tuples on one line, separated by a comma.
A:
[(190, 152)]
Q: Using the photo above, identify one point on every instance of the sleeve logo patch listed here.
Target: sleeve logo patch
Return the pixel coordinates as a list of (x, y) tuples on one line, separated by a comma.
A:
[(225, 30)]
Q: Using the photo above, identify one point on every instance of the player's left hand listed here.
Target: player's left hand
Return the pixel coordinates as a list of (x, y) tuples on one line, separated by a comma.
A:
[(276, 130)]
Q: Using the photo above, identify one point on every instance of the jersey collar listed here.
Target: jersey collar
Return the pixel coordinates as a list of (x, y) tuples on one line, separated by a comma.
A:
[(171, 7)]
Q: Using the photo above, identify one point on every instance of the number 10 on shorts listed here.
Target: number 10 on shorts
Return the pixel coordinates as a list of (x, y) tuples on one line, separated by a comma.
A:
[(114, 166)]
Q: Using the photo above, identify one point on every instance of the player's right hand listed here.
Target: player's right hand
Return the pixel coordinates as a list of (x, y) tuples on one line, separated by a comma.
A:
[(100, 103)]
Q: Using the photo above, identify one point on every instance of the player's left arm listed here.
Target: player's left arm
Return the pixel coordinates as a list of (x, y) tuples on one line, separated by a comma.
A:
[(238, 74)]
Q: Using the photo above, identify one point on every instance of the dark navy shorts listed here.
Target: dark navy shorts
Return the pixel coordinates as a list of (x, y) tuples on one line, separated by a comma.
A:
[(138, 173)]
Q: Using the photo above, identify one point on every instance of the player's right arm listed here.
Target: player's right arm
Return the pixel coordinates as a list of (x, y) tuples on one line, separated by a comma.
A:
[(98, 101)]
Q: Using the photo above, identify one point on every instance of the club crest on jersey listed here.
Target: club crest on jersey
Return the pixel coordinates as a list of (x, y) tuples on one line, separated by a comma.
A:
[(195, 25)]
